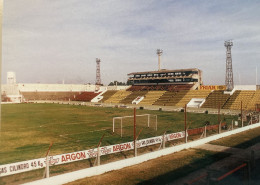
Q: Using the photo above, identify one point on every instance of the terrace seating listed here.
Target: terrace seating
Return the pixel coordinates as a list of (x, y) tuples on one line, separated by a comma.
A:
[(118, 96), (216, 99), (186, 97), (151, 97), (166, 99), (132, 96), (85, 96), (107, 95), (234, 102), (61, 96), (254, 101)]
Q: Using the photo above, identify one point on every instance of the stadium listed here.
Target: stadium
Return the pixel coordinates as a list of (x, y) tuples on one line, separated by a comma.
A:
[(75, 123)]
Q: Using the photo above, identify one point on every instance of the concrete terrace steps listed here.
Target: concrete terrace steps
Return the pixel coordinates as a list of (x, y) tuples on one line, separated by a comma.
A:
[(192, 94), (234, 101), (107, 95), (128, 99), (215, 99), (151, 97), (118, 96)]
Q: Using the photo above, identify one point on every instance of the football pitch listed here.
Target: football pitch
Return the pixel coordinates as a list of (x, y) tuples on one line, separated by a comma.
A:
[(28, 129)]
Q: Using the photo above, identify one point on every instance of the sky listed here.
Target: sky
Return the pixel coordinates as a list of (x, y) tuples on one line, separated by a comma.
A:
[(48, 41)]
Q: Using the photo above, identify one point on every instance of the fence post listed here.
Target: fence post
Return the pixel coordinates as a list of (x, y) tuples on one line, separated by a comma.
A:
[(232, 125), (205, 131), (219, 128), (135, 147), (148, 120), (156, 123), (163, 140), (242, 122), (98, 151), (47, 167), (185, 122), (113, 125), (98, 156), (121, 127)]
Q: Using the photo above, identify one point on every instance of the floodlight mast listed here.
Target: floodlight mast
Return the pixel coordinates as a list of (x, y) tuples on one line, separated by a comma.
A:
[(229, 71), (98, 78), (159, 53)]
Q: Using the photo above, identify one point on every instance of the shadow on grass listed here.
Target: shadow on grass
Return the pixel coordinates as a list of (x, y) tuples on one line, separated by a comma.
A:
[(248, 143), (183, 171)]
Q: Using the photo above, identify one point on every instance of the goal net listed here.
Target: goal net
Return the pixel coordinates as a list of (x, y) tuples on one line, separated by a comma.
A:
[(124, 125)]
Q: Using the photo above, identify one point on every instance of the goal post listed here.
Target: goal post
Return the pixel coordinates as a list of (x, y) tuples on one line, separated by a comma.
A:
[(141, 115)]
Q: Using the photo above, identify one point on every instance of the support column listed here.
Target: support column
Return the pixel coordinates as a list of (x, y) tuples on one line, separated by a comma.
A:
[(121, 127), (185, 123)]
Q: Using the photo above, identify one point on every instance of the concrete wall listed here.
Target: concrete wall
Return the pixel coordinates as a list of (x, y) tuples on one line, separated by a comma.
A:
[(11, 89), (245, 87), (55, 87), (117, 87)]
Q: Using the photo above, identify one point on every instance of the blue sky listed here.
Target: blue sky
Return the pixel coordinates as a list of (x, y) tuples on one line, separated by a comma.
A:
[(47, 41)]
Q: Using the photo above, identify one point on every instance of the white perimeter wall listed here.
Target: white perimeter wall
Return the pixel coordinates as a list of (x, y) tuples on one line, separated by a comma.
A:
[(55, 87), (64, 87), (11, 89), (245, 87), (117, 87)]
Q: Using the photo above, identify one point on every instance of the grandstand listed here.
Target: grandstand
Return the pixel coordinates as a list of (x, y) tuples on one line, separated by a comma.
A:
[(161, 78), (162, 88)]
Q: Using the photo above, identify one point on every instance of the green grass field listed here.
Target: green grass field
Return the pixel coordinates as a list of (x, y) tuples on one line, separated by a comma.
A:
[(28, 129)]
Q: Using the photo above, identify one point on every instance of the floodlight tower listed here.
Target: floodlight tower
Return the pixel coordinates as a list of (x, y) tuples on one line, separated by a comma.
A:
[(159, 53), (229, 71), (98, 78)]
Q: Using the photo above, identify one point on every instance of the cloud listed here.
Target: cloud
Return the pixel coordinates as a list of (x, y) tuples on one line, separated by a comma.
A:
[(45, 40)]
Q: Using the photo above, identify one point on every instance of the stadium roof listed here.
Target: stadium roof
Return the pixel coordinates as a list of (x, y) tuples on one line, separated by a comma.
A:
[(164, 71)]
